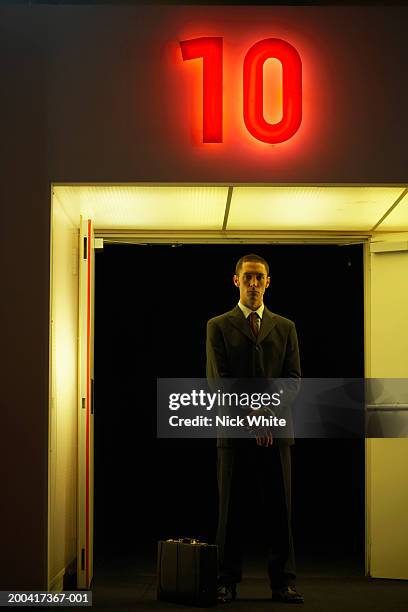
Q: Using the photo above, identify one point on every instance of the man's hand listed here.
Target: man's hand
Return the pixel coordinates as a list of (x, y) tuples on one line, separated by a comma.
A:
[(265, 438), (263, 435)]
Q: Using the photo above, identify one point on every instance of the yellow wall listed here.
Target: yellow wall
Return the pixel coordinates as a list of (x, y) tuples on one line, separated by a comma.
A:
[(387, 459), (63, 400)]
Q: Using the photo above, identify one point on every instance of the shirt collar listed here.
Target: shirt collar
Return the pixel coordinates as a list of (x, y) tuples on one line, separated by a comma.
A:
[(247, 311)]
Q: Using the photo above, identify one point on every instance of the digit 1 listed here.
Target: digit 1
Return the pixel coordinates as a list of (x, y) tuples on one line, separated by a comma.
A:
[(256, 125), (210, 49)]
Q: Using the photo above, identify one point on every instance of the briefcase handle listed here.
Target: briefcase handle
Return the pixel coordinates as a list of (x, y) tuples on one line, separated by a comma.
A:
[(187, 541)]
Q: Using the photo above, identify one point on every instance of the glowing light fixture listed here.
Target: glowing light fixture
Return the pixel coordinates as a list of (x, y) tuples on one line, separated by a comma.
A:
[(310, 208), (259, 208), (142, 206), (397, 220)]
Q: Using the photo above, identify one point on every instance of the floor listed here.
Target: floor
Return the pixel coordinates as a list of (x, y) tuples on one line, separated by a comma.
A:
[(128, 582)]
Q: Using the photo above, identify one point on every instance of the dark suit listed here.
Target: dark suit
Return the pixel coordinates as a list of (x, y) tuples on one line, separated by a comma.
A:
[(234, 352)]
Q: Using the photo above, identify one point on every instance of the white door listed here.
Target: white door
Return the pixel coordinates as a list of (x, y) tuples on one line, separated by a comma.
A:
[(387, 358), (85, 406)]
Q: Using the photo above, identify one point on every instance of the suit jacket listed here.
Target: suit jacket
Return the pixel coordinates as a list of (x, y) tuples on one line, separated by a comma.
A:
[(233, 352)]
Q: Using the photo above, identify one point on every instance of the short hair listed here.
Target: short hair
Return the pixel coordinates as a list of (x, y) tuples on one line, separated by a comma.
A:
[(251, 257)]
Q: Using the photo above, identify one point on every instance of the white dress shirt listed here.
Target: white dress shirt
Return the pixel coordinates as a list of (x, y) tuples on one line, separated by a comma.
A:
[(247, 311)]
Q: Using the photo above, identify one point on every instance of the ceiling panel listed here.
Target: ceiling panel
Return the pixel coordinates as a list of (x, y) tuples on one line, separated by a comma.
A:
[(267, 208), (310, 208), (397, 220), (143, 207)]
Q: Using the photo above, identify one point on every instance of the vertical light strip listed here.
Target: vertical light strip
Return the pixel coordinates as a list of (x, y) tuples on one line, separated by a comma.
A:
[(227, 207), (367, 374), (88, 376)]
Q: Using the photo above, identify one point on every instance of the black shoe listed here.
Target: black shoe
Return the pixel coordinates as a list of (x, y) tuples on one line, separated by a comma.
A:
[(287, 594), (226, 593)]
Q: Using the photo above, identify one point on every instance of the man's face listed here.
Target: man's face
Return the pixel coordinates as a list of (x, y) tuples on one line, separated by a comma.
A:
[(252, 282)]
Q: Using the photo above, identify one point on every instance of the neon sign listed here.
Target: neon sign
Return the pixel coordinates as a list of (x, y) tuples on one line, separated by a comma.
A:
[(210, 49)]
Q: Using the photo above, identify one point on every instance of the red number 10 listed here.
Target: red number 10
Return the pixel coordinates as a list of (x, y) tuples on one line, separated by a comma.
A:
[(210, 49)]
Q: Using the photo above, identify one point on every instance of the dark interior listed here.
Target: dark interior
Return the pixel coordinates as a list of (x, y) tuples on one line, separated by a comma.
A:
[(152, 304)]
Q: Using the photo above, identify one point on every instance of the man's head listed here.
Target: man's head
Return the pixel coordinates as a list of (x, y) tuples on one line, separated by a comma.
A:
[(252, 278)]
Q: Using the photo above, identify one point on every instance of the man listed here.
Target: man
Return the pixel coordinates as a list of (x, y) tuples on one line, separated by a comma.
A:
[(242, 345)]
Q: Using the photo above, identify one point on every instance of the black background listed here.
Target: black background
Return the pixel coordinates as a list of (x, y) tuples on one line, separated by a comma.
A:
[(152, 305)]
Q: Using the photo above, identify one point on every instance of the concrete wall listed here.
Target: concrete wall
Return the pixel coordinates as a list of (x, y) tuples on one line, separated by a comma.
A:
[(24, 304)]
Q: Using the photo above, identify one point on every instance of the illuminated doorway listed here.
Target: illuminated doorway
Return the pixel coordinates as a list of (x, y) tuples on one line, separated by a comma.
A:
[(204, 214)]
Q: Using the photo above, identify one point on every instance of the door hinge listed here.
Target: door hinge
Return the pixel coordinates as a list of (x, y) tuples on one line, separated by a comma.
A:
[(82, 559), (85, 247)]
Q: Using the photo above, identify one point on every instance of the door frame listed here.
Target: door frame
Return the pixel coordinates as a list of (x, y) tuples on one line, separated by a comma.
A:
[(239, 237)]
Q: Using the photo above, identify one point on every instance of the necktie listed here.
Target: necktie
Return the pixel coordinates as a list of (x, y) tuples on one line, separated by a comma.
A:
[(253, 323)]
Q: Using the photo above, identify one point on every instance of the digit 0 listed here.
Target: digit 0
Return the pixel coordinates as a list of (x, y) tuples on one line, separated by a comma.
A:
[(254, 61)]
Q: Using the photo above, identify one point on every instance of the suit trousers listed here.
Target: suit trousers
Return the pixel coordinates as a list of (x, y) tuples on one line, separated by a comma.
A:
[(254, 484)]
